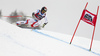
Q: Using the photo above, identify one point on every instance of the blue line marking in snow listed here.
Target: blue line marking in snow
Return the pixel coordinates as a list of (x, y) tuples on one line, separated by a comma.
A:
[(64, 41), (49, 36)]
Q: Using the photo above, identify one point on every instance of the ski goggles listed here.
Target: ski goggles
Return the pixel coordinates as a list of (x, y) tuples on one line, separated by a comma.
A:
[(43, 11)]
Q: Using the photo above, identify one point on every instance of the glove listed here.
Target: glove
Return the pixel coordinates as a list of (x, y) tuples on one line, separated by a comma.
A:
[(44, 25), (33, 14)]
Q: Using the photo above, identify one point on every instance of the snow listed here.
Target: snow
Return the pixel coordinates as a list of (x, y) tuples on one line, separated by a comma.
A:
[(15, 41)]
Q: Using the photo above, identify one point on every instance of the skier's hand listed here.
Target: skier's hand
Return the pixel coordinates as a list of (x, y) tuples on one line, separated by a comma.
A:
[(44, 25), (33, 14)]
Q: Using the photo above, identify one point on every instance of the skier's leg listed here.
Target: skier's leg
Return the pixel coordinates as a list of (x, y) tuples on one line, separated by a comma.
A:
[(31, 22), (22, 22), (36, 24)]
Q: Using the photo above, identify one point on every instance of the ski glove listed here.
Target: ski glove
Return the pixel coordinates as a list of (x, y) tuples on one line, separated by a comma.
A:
[(33, 14), (44, 25)]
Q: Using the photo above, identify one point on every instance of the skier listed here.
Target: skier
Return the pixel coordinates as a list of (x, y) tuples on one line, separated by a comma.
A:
[(35, 21)]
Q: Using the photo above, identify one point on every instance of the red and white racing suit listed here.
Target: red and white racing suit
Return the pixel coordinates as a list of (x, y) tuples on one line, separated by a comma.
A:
[(36, 20)]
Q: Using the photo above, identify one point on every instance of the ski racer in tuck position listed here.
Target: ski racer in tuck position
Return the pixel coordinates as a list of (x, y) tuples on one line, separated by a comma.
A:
[(35, 21)]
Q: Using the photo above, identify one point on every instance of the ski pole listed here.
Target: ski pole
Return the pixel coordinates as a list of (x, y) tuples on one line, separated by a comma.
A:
[(12, 16), (16, 16)]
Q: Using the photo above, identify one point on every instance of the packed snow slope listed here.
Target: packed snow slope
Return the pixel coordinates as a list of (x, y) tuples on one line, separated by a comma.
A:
[(15, 41)]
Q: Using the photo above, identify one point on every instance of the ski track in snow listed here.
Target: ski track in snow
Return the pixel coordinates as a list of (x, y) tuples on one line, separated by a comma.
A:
[(65, 42)]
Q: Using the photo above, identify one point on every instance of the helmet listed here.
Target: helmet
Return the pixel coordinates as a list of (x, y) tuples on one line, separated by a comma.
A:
[(44, 9)]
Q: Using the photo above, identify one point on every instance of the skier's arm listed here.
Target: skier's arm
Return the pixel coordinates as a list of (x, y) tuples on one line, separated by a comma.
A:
[(34, 13), (46, 21)]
